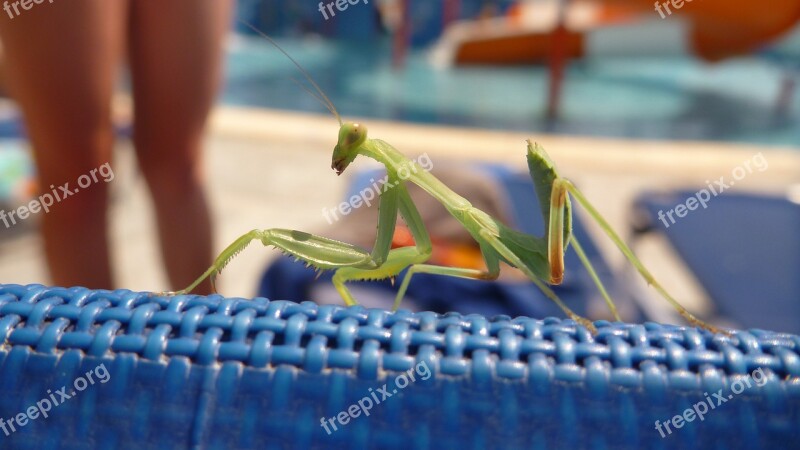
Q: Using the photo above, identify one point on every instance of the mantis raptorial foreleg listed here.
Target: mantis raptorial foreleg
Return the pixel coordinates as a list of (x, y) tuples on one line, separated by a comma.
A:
[(321, 252), (392, 262)]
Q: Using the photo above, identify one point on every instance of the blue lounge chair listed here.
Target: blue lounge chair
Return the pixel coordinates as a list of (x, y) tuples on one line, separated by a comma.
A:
[(191, 372), (744, 250)]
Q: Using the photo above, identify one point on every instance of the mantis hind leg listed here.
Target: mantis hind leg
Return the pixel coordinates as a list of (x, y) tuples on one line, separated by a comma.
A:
[(560, 188), (593, 274)]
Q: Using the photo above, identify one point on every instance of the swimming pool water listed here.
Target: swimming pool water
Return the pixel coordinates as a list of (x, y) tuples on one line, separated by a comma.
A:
[(656, 98)]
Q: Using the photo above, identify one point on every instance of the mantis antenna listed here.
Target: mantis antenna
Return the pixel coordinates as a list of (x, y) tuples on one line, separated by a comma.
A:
[(327, 102)]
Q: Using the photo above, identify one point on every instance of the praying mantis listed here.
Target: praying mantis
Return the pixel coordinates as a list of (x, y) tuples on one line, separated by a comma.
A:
[(541, 259)]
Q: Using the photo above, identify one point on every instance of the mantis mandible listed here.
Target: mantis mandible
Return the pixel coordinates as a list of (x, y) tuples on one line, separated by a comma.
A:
[(541, 259)]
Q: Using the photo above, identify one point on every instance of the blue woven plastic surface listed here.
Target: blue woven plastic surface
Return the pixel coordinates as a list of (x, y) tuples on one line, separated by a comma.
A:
[(218, 373)]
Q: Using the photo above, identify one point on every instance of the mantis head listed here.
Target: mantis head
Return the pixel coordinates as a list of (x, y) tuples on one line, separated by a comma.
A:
[(351, 136)]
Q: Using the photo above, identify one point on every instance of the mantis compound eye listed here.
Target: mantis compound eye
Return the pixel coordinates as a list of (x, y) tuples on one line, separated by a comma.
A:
[(351, 136), (354, 135)]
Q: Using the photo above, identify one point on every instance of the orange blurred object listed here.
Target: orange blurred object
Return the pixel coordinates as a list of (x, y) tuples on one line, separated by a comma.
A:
[(717, 28), (444, 253), (723, 28)]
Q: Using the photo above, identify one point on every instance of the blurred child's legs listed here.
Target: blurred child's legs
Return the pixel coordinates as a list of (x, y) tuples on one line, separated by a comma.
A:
[(61, 61), (176, 64)]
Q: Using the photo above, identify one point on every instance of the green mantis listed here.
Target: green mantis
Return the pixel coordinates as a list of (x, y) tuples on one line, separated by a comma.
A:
[(541, 259)]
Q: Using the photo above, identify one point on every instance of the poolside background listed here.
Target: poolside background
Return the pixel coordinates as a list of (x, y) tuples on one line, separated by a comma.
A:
[(628, 124), (676, 98), (638, 96)]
